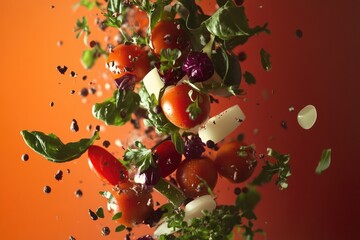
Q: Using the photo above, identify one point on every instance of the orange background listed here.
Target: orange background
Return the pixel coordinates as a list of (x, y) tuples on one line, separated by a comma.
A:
[(319, 69)]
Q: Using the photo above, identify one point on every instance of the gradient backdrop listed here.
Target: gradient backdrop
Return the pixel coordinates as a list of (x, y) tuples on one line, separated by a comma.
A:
[(321, 69)]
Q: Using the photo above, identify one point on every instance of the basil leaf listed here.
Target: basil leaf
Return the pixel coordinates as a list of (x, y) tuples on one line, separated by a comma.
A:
[(120, 228), (324, 162), (227, 66), (117, 216), (100, 212), (230, 21), (117, 110), (249, 78), (246, 202), (53, 149), (88, 58), (265, 60), (178, 141)]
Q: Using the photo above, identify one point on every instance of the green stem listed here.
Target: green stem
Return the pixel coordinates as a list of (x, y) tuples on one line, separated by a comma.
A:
[(170, 191)]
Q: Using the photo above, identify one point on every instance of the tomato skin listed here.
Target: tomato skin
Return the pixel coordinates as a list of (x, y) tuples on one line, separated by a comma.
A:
[(234, 166), (168, 158), (129, 58), (106, 166), (168, 34), (133, 201), (175, 102), (189, 171)]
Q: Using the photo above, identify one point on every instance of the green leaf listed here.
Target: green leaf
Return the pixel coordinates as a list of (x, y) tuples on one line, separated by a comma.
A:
[(117, 216), (120, 228), (108, 196), (170, 191), (265, 60), (88, 58), (230, 21), (114, 6), (178, 141), (82, 27), (168, 59), (117, 110), (86, 3), (281, 167), (249, 78), (100, 212), (324, 162), (53, 149)]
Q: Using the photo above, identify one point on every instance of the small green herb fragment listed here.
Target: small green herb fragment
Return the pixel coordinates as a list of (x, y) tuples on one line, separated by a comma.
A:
[(246, 202), (194, 109), (281, 167), (100, 212), (324, 162), (117, 216), (89, 4), (82, 27), (168, 58), (249, 78), (265, 60), (140, 156), (53, 149), (120, 228)]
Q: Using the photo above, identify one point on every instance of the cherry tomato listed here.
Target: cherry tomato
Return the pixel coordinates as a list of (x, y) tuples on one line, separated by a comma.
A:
[(169, 34), (175, 103), (133, 201), (191, 174), (235, 161), (168, 159), (106, 166), (128, 58)]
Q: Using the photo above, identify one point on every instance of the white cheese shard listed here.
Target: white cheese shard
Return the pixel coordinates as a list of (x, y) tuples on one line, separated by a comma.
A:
[(307, 117), (153, 83), (221, 125)]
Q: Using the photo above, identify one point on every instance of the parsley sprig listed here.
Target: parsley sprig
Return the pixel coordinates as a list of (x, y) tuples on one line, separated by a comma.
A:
[(140, 156)]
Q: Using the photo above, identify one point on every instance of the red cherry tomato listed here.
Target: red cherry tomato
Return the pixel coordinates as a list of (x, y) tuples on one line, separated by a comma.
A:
[(106, 166), (168, 158), (168, 34), (176, 101), (235, 161), (129, 58), (190, 174), (133, 201)]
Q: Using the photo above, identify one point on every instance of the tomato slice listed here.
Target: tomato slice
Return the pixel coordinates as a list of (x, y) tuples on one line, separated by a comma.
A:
[(168, 158), (106, 166)]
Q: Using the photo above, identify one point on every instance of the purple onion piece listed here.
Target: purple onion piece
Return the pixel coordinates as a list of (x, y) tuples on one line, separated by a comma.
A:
[(149, 177), (198, 67), (126, 82)]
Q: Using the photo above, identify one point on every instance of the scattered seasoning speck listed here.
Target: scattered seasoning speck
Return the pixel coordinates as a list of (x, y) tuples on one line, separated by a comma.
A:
[(72, 91), (237, 191), (59, 43), (283, 124), (84, 92), (25, 157), (106, 143), (245, 190), (210, 144), (105, 231), (291, 109), (47, 189), (74, 126), (93, 215), (89, 127), (61, 69), (78, 193), (73, 74), (59, 175), (72, 238), (97, 128), (51, 104), (84, 77), (92, 90), (242, 56), (68, 171), (298, 33)]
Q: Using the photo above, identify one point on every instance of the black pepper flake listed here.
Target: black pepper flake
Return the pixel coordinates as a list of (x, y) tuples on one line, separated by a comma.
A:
[(59, 43), (51, 104), (97, 128), (72, 238), (106, 143), (25, 157), (59, 175), (74, 126), (84, 77), (72, 91), (237, 191), (105, 231), (68, 171), (78, 193), (298, 33), (242, 56), (283, 124), (210, 144), (61, 69), (93, 215), (73, 74), (47, 189), (84, 92), (89, 127), (92, 90)]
